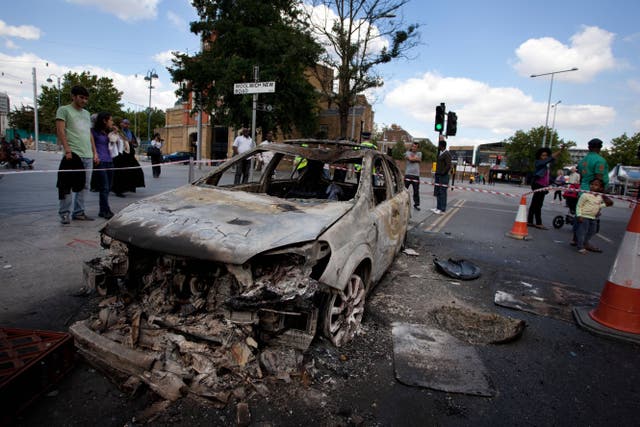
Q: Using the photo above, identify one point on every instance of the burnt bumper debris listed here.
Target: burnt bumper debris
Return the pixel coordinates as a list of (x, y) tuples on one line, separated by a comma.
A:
[(190, 327)]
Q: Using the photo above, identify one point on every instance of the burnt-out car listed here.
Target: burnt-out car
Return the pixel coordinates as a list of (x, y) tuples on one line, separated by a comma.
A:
[(294, 249)]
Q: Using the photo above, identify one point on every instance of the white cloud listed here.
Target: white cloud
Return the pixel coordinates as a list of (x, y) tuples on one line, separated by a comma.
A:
[(500, 111), (323, 18), (176, 20), (9, 44), (164, 58), (27, 32), (589, 51), (126, 10), (17, 82), (634, 85)]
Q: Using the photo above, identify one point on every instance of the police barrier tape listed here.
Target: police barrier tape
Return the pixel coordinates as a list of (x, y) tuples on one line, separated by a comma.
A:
[(179, 162), (211, 162), (501, 193)]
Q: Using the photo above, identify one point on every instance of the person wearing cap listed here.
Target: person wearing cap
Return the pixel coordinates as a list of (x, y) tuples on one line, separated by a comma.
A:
[(593, 165)]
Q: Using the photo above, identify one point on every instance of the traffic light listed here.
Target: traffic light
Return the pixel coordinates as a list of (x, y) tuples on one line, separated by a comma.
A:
[(439, 126), (452, 123)]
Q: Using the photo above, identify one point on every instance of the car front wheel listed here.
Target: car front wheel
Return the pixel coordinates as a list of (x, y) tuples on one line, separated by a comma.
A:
[(343, 311)]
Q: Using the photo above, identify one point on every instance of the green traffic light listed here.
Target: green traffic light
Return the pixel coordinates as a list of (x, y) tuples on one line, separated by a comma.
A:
[(438, 126)]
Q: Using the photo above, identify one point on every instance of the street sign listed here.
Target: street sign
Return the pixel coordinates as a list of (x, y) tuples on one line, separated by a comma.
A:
[(254, 87)]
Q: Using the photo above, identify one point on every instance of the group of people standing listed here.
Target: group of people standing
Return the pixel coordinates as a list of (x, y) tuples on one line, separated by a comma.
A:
[(584, 195), (96, 146)]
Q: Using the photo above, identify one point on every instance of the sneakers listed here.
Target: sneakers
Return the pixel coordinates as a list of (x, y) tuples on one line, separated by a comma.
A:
[(436, 211), (416, 207), (82, 217), (64, 219)]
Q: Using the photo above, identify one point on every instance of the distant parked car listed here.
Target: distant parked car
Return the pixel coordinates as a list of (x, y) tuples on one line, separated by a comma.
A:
[(179, 156)]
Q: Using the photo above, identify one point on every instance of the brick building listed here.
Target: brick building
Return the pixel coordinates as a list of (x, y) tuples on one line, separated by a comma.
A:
[(181, 129)]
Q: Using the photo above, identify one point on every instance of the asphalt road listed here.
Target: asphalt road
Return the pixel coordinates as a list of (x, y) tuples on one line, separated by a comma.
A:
[(555, 374)]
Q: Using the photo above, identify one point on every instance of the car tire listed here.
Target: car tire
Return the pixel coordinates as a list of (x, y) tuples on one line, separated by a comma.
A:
[(343, 311)]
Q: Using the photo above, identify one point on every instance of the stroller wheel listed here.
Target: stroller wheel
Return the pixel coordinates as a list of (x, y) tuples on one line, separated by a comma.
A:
[(558, 221)]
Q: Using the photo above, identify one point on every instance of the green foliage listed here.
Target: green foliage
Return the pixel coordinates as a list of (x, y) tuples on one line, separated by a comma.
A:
[(521, 149), (103, 96), (21, 118), (624, 151), (429, 151), (139, 124), (398, 150), (244, 34)]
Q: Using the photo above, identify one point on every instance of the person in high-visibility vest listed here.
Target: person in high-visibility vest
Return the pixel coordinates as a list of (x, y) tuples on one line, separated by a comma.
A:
[(365, 143), (299, 162)]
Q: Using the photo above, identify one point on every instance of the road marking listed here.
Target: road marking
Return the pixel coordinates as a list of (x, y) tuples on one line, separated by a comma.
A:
[(439, 223), (76, 242), (606, 239)]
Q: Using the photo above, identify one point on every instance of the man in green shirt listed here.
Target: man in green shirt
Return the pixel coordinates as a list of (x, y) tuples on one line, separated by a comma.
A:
[(73, 129), (593, 165)]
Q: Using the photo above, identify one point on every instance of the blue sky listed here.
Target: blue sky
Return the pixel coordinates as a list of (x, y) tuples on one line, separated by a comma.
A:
[(476, 56)]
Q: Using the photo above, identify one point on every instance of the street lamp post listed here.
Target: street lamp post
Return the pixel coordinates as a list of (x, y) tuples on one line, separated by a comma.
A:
[(553, 122), (151, 74), (51, 81), (546, 122)]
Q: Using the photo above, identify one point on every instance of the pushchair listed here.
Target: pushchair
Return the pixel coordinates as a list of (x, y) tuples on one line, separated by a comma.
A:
[(571, 197)]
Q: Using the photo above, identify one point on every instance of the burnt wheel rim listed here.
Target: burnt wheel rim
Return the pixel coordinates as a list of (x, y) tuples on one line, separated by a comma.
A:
[(344, 311)]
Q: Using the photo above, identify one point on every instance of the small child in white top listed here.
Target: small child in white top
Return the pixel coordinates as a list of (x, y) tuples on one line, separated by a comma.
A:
[(587, 211)]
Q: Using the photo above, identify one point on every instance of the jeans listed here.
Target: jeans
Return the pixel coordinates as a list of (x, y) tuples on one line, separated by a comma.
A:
[(440, 191), (77, 198), (585, 230), (104, 177), (414, 182), (242, 172)]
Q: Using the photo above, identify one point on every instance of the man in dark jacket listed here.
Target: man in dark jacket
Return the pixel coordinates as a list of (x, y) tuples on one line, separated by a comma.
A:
[(443, 168)]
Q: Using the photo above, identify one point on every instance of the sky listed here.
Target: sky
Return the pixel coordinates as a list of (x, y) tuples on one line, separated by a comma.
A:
[(475, 56)]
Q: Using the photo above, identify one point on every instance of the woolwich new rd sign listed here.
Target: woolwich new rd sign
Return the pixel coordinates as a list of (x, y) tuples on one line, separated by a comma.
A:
[(254, 87)]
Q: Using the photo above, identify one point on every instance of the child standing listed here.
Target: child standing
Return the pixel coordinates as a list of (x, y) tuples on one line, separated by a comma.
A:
[(587, 210)]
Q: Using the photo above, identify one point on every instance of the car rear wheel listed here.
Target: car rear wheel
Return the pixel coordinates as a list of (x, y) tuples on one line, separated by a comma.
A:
[(343, 311)]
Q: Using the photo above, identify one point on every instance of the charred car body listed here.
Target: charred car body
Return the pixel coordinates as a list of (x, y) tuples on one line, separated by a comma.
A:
[(295, 248)]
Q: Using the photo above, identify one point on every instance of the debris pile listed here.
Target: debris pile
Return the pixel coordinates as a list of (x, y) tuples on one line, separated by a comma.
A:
[(192, 335)]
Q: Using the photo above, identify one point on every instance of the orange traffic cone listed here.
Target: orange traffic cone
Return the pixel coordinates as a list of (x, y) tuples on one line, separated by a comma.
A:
[(519, 230), (618, 313)]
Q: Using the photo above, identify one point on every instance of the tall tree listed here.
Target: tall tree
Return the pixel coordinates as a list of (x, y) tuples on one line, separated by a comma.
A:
[(358, 36), (103, 96), (241, 34), (521, 149), (624, 150), (22, 118)]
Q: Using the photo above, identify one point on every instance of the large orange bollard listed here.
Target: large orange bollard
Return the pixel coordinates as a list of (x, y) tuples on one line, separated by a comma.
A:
[(619, 306), (519, 229)]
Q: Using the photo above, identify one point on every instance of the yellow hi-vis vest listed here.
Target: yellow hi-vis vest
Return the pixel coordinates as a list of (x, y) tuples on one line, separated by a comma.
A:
[(299, 161), (365, 144)]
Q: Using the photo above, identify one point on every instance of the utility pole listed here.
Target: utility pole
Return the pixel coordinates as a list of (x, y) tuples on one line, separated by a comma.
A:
[(256, 74), (35, 109)]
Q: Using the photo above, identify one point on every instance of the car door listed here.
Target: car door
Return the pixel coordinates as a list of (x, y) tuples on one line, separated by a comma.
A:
[(389, 214)]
